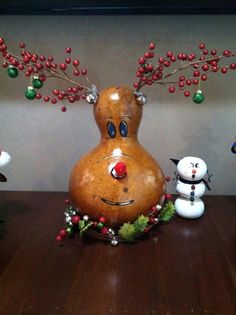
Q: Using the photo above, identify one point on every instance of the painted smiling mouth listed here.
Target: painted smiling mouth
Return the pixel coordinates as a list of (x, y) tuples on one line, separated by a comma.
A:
[(116, 203)]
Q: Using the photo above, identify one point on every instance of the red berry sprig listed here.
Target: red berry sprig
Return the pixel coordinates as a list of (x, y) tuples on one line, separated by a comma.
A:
[(40, 68), (199, 67)]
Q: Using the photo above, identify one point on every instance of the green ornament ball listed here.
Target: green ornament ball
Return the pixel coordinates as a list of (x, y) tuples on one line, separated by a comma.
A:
[(30, 94), (198, 98), (37, 83), (12, 72)]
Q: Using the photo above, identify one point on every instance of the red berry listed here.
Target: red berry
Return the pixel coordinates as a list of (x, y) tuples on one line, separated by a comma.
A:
[(166, 63), (195, 81), (196, 73), (151, 46), (55, 92), (168, 196), (53, 100), (63, 66), (58, 238), (213, 52), (233, 66), (104, 230), (141, 61), (226, 53), (144, 78), (63, 233), (46, 99), (205, 51), (182, 78), (149, 67), (224, 70), (67, 201), (75, 62), (146, 55), (181, 84), (68, 50), (60, 96), (214, 69), (67, 60), (63, 109), (149, 82), (151, 220), (83, 71), (190, 57), (71, 99), (5, 65), (161, 59), (167, 178), (202, 46), (173, 59), (188, 82), (180, 56), (102, 219), (184, 56), (136, 85), (204, 77), (169, 54), (75, 219), (76, 72), (42, 58), (42, 78), (205, 67), (22, 45), (214, 63), (38, 96), (186, 93), (1, 41), (151, 54), (171, 89)]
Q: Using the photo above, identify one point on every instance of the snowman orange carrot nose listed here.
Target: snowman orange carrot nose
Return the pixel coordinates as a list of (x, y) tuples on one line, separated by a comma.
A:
[(119, 170)]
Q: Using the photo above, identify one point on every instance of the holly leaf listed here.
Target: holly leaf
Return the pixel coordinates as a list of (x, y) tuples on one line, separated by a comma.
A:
[(141, 223), (128, 232), (167, 212), (84, 226)]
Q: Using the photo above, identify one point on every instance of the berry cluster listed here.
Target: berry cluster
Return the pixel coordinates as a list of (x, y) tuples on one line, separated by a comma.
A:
[(38, 68), (199, 66)]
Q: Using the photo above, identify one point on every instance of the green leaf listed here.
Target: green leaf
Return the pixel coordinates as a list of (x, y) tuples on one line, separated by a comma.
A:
[(84, 227), (81, 224), (167, 212), (141, 223), (127, 232)]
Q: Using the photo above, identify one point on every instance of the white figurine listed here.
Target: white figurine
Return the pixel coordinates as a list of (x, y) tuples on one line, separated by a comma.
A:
[(4, 160), (191, 186)]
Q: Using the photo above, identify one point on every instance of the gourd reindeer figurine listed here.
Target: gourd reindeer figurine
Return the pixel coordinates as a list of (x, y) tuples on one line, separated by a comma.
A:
[(117, 186)]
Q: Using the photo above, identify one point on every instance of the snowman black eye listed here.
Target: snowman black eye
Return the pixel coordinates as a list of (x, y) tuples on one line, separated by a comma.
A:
[(123, 129), (111, 129), (196, 165), (192, 164)]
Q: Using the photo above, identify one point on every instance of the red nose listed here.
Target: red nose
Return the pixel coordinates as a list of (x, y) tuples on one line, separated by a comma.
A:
[(119, 170)]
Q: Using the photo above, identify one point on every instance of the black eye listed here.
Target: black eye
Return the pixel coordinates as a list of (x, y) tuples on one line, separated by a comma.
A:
[(196, 165), (123, 129), (111, 129), (192, 164)]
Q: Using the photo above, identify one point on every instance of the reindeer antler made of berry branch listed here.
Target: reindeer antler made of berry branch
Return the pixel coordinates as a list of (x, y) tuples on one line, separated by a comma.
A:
[(39, 68), (201, 66)]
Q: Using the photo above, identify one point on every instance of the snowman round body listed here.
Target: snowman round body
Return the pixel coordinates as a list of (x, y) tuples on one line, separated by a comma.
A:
[(191, 187)]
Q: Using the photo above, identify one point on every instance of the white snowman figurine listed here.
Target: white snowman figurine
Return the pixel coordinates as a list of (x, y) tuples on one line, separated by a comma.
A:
[(191, 186)]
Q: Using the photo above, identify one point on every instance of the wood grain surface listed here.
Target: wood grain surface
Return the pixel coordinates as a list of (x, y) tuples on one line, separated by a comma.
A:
[(183, 267)]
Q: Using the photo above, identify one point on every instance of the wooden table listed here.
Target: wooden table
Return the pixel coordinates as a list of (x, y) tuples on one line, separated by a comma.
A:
[(183, 267)]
